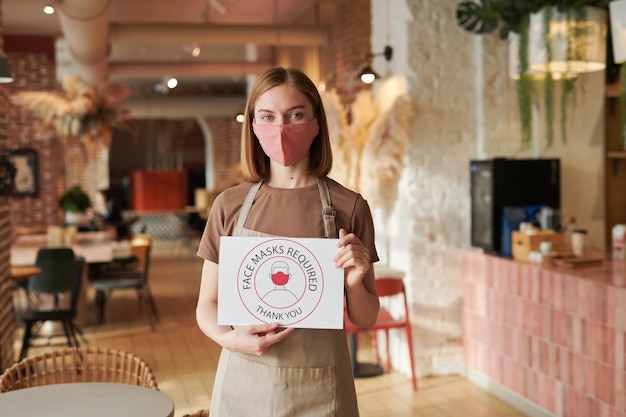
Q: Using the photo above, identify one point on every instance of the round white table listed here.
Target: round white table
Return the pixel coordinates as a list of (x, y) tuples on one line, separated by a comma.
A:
[(93, 399)]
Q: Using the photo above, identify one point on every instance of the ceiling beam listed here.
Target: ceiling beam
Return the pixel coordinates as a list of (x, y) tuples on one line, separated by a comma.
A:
[(174, 33), (180, 107), (141, 70)]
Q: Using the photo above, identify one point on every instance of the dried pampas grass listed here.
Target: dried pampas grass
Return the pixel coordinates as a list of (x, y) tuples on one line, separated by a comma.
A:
[(383, 155), (363, 114), (368, 152), (337, 125), (85, 111)]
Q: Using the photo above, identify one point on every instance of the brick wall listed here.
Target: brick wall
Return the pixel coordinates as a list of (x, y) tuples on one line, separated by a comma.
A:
[(34, 71), (226, 137), (350, 36), (7, 321), (32, 64)]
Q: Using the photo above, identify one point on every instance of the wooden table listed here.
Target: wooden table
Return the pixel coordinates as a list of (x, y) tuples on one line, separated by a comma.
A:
[(22, 273), (95, 247), (93, 399)]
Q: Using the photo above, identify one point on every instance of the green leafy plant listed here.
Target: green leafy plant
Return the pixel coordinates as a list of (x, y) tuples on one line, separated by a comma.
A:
[(75, 200), (506, 16)]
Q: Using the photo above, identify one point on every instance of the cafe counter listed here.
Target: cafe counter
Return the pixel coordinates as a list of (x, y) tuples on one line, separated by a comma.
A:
[(550, 341)]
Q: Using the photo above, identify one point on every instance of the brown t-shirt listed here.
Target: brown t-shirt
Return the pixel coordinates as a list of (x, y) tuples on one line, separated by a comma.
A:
[(288, 213)]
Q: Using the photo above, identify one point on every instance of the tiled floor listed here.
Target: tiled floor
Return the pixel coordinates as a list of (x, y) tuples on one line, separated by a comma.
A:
[(184, 360)]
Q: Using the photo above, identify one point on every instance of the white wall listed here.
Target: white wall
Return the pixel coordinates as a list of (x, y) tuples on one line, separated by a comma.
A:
[(464, 108)]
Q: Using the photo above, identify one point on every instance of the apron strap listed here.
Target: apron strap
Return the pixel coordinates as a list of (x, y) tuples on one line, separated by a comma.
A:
[(328, 214), (245, 209)]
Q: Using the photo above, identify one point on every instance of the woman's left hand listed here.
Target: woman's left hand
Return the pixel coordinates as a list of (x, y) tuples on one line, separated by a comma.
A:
[(354, 257)]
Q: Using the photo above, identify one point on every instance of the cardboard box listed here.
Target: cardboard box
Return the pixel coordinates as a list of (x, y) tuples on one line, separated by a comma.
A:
[(523, 243)]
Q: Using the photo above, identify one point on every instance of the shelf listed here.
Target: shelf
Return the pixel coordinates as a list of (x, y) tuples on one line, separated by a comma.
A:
[(613, 90), (615, 161), (616, 155)]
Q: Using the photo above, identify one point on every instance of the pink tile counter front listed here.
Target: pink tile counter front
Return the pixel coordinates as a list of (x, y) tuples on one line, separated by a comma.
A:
[(551, 341)]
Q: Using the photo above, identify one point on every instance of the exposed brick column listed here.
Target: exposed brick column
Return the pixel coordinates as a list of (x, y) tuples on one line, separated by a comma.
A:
[(351, 33), (226, 137), (32, 63), (7, 320)]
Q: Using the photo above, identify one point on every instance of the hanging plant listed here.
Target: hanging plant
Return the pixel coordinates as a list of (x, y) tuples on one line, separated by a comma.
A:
[(548, 81), (509, 16), (524, 86)]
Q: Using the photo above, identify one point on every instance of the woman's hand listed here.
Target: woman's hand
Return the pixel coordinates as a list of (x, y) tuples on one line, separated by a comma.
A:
[(354, 257), (253, 340), (361, 298)]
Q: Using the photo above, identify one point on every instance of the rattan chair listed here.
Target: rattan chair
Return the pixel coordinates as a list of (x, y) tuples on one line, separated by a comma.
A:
[(84, 364), (199, 413)]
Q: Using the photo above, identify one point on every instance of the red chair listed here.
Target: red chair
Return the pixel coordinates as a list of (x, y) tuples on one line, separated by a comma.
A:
[(389, 287)]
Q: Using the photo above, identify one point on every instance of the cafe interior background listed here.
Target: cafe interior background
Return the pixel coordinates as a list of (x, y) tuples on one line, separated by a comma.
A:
[(454, 102)]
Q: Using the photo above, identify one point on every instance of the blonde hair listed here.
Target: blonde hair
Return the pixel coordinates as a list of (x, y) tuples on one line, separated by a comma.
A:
[(254, 163)]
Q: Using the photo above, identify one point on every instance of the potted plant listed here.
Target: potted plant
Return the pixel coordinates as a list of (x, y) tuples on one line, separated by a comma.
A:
[(514, 18), (75, 202)]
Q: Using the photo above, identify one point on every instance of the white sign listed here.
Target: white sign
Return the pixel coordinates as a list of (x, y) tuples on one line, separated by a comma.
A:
[(289, 281)]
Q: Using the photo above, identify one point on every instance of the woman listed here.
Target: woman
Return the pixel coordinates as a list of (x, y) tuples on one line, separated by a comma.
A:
[(265, 370)]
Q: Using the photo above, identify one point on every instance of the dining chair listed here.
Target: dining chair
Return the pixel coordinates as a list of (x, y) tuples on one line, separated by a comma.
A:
[(387, 288), (61, 273), (124, 275), (78, 364)]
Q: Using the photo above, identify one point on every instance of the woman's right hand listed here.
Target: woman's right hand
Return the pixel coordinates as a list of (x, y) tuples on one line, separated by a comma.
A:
[(253, 340)]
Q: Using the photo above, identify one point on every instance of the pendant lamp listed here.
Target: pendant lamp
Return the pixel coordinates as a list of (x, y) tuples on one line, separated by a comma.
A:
[(617, 14), (575, 46)]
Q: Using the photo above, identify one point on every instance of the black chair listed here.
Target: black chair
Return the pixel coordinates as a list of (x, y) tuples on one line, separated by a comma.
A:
[(61, 273), (126, 275)]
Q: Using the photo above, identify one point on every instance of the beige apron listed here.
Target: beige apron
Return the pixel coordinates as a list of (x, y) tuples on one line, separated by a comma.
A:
[(308, 374)]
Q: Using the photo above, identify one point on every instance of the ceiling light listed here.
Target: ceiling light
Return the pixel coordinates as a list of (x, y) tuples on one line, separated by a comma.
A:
[(160, 88), (368, 75), (5, 70), (239, 117), (48, 9), (192, 48), (172, 83)]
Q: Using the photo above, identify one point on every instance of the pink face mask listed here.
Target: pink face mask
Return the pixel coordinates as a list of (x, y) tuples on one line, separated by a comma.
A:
[(286, 144)]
